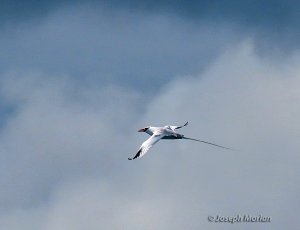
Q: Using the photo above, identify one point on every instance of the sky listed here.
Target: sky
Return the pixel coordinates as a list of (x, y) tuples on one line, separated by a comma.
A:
[(77, 80)]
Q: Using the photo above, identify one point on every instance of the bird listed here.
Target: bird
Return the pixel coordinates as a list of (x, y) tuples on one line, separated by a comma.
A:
[(166, 132)]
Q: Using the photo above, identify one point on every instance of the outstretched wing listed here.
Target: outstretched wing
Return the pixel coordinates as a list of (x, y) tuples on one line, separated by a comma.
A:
[(173, 127), (147, 145)]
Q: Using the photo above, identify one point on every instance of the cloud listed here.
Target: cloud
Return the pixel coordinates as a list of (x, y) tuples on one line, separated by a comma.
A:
[(64, 151), (131, 50), (273, 23), (57, 133), (246, 12)]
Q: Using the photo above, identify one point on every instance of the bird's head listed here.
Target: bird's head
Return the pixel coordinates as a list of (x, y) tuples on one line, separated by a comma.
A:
[(144, 129)]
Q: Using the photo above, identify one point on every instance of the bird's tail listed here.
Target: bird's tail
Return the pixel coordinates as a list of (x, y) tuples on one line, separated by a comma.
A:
[(206, 142)]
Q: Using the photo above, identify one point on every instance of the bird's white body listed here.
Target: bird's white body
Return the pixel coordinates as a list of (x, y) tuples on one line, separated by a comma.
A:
[(165, 132)]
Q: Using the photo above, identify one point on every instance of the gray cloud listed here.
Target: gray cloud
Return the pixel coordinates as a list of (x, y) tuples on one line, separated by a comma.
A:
[(64, 159), (42, 140), (273, 23), (138, 51), (271, 13)]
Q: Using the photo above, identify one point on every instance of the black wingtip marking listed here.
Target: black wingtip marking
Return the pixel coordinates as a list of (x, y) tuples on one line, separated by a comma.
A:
[(136, 155)]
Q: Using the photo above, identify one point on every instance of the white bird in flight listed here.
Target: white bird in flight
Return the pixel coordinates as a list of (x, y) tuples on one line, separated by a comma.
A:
[(166, 132)]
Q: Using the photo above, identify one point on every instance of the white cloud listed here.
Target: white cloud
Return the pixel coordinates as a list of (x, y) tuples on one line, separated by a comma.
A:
[(56, 133)]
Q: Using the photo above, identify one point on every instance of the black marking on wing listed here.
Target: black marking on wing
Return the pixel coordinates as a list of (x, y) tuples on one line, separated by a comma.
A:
[(173, 137), (136, 155), (182, 125)]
